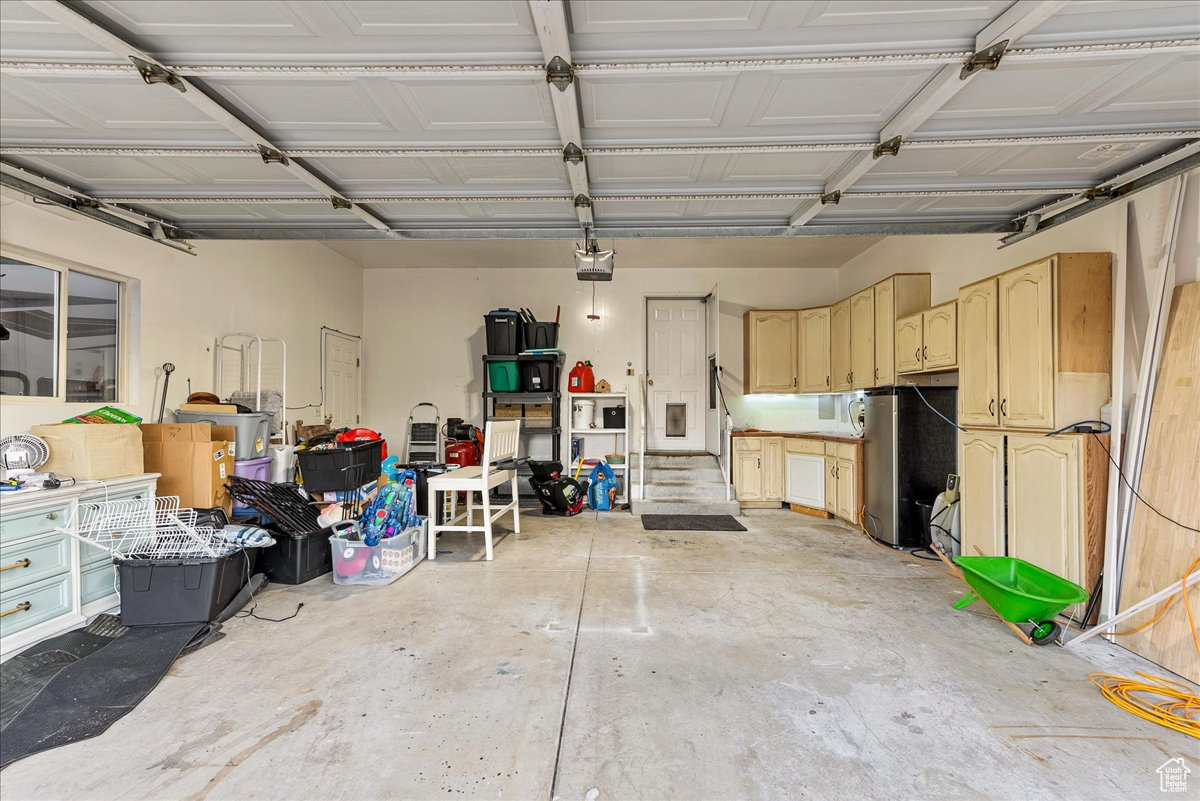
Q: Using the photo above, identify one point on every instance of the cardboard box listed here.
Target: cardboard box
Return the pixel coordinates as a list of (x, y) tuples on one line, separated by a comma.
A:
[(92, 451), (195, 460)]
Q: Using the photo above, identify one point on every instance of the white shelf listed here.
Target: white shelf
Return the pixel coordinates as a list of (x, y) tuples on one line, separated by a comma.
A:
[(615, 467), (603, 395), (622, 431)]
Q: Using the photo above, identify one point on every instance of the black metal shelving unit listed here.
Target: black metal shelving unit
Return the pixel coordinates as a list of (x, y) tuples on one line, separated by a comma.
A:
[(554, 398)]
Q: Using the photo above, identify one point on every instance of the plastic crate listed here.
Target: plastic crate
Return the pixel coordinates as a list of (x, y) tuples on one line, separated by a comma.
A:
[(157, 592), (253, 430), (256, 469), (296, 560), (541, 336), (341, 469), (503, 332), (504, 377), (355, 562)]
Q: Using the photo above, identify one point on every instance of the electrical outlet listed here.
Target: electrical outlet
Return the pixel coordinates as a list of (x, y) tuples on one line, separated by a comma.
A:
[(628, 371)]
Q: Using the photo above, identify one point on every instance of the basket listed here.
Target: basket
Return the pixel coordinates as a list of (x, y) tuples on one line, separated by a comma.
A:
[(341, 469), (355, 562)]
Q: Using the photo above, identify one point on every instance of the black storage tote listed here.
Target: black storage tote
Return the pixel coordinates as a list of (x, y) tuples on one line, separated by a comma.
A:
[(157, 592), (504, 332), (341, 469), (539, 336), (537, 376)]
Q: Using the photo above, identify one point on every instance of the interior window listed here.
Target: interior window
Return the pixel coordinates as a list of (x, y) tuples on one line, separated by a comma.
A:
[(93, 348), (29, 339)]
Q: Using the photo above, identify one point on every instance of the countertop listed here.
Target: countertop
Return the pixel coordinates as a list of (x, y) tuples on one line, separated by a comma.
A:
[(829, 436)]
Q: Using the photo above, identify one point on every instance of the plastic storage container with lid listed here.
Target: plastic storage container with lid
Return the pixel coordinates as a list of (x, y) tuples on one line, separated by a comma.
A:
[(156, 592), (541, 335), (503, 332), (344, 468), (504, 377), (537, 375), (355, 562), (257, 469), (253, 429), (297, 559)]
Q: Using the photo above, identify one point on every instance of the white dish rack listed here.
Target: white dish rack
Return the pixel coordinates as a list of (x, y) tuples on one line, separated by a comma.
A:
[(141, 529), (245, 374)]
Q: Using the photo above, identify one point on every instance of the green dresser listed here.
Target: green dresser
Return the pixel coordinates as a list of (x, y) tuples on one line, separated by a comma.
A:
[(50, 582)]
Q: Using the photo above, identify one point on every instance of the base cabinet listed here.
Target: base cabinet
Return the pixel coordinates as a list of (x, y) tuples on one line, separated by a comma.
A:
[(819, 474), (747, 468), (1037, 498)]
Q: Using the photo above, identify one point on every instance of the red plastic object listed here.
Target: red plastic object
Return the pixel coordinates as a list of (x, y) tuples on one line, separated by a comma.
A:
[(361, 435), (462, 452), (581, 378)]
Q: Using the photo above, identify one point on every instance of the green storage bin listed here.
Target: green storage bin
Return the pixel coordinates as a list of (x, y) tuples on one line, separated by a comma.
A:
[(504, 377)]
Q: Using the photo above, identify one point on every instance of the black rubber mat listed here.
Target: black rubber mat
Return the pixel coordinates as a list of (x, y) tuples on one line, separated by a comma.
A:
[(23, 676), (691, 523), (88, 695)]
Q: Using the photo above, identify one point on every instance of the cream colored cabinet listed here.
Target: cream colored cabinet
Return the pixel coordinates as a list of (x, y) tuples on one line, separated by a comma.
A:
[(831, 484), (1057, 504), (814, 350), (1027, 346), (773, 469), (910, 333), (748, 468), (839, 346), (939, 349), (862, 339), (885, 325), (772, 350), (846, 495), (981, 517), (978, 357), (1050, 347)]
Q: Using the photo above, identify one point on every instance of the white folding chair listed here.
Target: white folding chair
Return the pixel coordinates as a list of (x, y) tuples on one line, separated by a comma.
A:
[(500, 441)]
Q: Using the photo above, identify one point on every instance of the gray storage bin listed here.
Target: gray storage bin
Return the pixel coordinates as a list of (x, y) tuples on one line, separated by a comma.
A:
[(253, 430)]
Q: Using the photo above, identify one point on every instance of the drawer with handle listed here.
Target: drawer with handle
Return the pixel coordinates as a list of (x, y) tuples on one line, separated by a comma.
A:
[(19, 525), (36, 603), (30, 562), (97, 581)]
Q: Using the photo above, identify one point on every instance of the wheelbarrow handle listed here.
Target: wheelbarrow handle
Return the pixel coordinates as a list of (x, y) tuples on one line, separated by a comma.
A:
[(966, 600)]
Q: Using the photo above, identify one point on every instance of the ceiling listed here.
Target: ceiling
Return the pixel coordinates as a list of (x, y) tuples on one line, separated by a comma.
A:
[(696, 118)]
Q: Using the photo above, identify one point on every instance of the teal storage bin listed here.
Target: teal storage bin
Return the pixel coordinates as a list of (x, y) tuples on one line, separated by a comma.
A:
[(504, 377)]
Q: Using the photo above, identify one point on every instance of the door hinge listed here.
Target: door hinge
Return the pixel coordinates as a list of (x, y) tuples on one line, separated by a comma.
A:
[(889, 148), (154, 73), (986, 59)]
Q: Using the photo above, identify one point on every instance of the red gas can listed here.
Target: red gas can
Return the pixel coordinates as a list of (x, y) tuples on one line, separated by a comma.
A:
[(581, 378)]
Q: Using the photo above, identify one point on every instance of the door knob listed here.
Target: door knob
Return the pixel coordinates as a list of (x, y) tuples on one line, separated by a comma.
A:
[(650, 381)]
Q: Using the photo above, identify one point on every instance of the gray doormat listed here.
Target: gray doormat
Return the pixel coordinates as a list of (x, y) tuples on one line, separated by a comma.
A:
[(691, 523)]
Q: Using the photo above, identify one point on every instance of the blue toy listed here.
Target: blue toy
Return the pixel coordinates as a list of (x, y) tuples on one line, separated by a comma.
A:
[(392, 510)]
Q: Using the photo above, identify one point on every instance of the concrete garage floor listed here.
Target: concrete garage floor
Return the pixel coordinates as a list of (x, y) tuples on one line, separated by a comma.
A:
[(796, 660)]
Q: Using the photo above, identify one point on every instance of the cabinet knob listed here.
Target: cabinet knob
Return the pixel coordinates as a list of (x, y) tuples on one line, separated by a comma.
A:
[(917, 354), (24, 606), (826, 380), (925, 352), (795, 382), (991, 407), (17, 564), (52, 516), (876, 373), (1004, 407)]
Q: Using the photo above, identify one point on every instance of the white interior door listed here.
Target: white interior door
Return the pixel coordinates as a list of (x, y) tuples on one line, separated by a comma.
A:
[(676, 362), (712, 415), (341, 357)]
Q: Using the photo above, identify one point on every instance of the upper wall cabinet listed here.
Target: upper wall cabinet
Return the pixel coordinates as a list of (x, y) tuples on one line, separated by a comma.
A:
[(1045, 360), (771, 342), (895, 297), (814, 350), (927, 341), (839, 346), (862, 339)]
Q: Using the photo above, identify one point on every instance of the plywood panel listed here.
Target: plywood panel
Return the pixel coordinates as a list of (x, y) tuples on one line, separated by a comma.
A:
[(1159, 551)]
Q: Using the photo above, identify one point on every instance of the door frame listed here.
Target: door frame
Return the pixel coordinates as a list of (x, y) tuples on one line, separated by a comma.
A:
[(698, 295), (325, 331)]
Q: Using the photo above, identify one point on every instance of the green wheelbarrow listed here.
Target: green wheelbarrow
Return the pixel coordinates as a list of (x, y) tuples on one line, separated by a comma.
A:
[(1019, 592)]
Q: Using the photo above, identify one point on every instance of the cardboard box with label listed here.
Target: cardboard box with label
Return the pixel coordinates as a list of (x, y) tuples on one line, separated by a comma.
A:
[(92, 451), (195, 460)]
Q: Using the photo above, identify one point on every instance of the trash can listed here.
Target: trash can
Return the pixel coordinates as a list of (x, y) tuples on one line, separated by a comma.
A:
[(925, 512)]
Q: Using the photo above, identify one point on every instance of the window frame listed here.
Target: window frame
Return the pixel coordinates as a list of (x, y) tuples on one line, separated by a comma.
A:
[(126, 353)]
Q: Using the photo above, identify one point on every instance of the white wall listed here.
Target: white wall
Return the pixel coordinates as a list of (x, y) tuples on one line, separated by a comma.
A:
[(276, 289), (434, 323)]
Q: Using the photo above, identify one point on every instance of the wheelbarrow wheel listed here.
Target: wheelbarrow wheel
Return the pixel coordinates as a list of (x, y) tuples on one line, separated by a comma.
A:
[(1045, 632)]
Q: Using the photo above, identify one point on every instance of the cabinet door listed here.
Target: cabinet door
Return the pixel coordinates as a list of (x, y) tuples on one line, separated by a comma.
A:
[(839, 345), (939, 348), (814, 350), (831, 484), (885, 333), (774, 348), (1044, 503), (1027, 346), (772, 469), (978, 353), (981, 518), (862, 339), (909, 333), (845, 490), (747, 474)]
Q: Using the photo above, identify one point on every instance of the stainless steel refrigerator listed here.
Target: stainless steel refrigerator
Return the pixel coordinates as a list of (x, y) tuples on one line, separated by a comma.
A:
[(908, 451)]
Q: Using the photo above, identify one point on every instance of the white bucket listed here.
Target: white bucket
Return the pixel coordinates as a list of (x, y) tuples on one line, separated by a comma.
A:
[(584, 413)]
